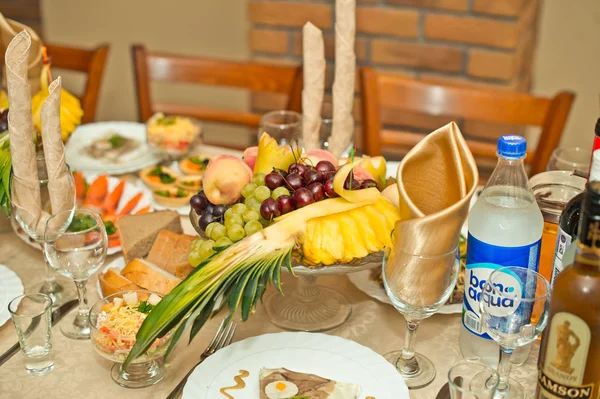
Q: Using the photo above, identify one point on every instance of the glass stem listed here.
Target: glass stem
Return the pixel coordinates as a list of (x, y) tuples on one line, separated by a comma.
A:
[(49, 277), (504, 369), (408, 352), (82, 316)]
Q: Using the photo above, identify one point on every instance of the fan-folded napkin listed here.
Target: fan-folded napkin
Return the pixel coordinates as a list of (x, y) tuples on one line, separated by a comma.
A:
[(435, 183)]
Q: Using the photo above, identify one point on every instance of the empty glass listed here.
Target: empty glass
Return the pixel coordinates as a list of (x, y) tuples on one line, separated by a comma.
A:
[(32, 317), (471, 379), (283, 126), (514, 308), (76, 253), (574, 159), (418, 285)]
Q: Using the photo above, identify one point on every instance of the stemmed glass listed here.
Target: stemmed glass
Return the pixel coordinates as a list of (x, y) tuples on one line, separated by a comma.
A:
[(283, 126), (76, 253), (514, 307), (33, 224), (418, 285)]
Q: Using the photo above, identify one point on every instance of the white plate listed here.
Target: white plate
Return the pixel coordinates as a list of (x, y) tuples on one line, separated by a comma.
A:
[(136, 160), (10, 288), (324, 355), (362, 281)]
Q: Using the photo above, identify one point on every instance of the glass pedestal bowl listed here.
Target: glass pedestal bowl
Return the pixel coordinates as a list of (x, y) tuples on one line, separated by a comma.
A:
[(307, 306), (146, 370)]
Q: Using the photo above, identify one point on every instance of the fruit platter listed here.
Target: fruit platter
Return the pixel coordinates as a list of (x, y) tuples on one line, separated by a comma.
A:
[(277, 209)]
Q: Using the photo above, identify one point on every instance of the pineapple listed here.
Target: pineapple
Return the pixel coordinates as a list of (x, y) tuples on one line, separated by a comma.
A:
[(334, 230), (271, 155)]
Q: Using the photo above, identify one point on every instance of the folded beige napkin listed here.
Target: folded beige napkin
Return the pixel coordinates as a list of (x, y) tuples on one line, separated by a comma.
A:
[(345, 75), (435, 183), (313, 53), (60, 187), (25, 194), (9, 29)]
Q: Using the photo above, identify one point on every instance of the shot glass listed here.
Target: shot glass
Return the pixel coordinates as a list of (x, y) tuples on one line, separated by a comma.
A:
[(471, 379), (31, 315)]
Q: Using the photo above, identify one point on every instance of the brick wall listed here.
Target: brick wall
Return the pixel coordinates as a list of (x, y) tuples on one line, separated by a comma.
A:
[(25, 11), (482, 43)]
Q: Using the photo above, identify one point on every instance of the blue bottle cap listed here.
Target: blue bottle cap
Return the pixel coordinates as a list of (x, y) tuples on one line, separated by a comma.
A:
[(512, 146)]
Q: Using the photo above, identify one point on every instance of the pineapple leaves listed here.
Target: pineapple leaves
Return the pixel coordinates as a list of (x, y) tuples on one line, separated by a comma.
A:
[(236, 278)]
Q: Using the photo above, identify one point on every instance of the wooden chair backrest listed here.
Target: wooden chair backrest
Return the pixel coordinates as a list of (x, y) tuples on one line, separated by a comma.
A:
[(380, 90), (161, 67), (90, 62)]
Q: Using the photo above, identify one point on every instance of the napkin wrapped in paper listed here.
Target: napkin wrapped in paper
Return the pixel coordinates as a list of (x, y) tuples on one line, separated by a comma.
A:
[(9, 29), (436, 181), (26, 196), (314, 84)]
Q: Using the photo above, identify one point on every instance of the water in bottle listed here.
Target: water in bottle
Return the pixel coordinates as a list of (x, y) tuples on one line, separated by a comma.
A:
[(505, 229)]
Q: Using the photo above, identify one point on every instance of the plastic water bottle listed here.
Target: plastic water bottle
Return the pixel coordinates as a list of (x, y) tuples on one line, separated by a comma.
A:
[(505, 229)]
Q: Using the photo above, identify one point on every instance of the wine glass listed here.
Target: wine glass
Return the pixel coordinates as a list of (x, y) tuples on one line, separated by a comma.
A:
[(573, 159), (76, 253), (33, 223), (514, 307), (283, 126), (418, 285)]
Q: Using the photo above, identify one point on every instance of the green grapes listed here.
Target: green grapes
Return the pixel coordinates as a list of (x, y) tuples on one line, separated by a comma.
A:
[(196, 244), (206, 250), (235, 232), (210, 228), (259, 179), (248, 189), (253, 203), (239, 209), (262, 193), (234, 220), (218, 231), (250, 215), (252, 227), (223, 242), (194, 258), (279, 191), (228, 213)]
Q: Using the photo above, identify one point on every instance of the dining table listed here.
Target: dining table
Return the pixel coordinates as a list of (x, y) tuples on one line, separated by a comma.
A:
[(82, 373)]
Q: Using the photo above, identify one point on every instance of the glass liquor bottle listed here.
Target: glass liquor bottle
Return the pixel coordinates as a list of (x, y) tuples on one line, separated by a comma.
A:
[(569, 220), (569, 366)]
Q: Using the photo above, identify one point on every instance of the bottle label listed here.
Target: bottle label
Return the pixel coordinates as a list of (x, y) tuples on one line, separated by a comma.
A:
[(561, 374), (563, 240), (482, 260)]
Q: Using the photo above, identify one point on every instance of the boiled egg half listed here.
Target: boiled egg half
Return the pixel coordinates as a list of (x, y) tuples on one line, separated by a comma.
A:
[(281, 390)]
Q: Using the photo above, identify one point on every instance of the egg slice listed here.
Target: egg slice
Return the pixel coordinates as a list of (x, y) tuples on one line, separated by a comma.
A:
[(281, 390)]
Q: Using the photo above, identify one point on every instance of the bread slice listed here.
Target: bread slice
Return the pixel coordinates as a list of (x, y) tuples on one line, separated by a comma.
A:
[(138, 232), (171, 251), (149, 276), (112, 282)]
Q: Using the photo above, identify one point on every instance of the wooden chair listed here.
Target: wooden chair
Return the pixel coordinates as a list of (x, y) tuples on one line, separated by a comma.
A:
[(381, 90), (161, 67), (90, 62)]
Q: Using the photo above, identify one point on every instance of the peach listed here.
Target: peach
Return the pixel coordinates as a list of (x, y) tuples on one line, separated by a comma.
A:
[(224, 178), (314, 156), (361, 174), (249, 156)]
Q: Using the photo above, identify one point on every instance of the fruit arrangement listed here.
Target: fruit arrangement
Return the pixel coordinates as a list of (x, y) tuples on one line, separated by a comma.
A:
[(317, 215), (95, 196), (70, 106)]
